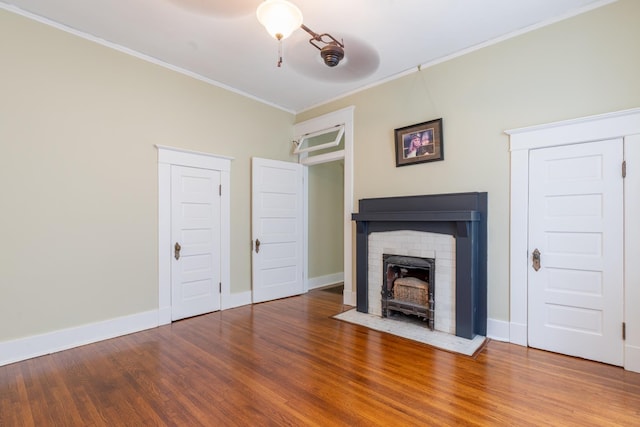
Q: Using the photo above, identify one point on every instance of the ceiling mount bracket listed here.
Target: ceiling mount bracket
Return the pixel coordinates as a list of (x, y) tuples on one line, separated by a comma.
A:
[(333, 50)]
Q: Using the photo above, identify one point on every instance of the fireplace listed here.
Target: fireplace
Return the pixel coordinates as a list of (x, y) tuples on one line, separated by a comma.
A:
[(411, 246), (459, 217), (408, 287)]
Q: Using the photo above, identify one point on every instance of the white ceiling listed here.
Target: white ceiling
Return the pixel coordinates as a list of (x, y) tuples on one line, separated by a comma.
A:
[(222, 42)]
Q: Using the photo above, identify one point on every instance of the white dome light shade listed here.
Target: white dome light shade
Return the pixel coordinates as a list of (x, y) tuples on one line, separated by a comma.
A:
[(279, 17)]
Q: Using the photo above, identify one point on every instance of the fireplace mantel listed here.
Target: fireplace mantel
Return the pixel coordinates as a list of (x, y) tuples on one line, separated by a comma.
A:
[(461, 215), (418, 216), (460, 218)]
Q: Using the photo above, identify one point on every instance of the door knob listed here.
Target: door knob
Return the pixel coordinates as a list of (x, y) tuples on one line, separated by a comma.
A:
[(536, 259), (176, 250), (257, 245)]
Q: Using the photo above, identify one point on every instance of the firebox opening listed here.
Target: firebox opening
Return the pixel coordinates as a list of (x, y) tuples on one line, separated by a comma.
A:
[(409, 287)]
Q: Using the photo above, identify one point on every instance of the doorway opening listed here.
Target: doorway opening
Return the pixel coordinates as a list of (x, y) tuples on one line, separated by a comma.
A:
[(323, 132)]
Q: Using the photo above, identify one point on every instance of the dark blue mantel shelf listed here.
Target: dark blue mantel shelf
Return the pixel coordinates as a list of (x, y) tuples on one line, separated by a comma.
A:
[(462, 215), (459, 219), (454, 216)]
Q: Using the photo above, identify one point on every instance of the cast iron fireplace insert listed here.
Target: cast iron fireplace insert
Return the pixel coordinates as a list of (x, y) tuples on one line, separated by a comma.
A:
[(408, 287)]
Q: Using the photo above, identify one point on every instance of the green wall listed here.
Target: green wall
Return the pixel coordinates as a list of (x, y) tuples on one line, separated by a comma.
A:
[(79, 176), (326, 213), (78, 166), (582, 66)]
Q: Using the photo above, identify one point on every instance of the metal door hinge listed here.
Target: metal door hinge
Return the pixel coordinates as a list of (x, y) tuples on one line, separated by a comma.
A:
[(624, 168), (220, 287), (624, 331), (220, 189)]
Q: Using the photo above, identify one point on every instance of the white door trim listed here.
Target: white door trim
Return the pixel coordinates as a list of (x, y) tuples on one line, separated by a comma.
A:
[(632, 251), (593, 128), (342, 116), (168, 156)]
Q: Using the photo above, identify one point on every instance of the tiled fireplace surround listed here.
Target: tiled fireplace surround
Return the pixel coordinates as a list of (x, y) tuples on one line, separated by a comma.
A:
[(425, 226), (440, 247)]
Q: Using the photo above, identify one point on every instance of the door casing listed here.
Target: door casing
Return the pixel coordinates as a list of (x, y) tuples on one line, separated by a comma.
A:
[(344, 116), (168, 156), (624, 124)]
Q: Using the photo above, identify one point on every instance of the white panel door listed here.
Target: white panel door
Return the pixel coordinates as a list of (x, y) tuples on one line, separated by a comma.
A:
[(277, 229), (195, 227), (576, 222)]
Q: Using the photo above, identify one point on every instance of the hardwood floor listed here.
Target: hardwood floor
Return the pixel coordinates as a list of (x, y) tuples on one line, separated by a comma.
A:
[(287, 362)]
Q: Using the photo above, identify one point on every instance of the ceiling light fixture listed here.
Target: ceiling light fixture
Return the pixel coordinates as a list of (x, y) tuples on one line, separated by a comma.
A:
[(281, 18)]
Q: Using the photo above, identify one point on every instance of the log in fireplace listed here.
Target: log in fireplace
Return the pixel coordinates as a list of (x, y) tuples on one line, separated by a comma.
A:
[(461, 215)]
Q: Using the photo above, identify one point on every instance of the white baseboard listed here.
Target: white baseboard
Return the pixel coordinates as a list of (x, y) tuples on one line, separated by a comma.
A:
[(349, 298), (518, 333), (164, 316), (632, 358), (236, 300), (64, 339), (498, 330), (321, 281)]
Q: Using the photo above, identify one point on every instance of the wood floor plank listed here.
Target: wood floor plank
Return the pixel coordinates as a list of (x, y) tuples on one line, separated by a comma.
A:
[(289, 363)]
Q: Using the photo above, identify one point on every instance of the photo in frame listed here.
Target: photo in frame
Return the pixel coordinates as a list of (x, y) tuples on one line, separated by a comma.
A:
[(419, 143)]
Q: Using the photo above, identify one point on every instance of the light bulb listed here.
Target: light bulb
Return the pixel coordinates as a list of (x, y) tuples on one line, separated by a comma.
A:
[(279, 17)]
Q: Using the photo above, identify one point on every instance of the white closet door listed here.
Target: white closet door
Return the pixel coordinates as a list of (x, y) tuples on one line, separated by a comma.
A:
[(576, 223), (195, 229), (277, 228)]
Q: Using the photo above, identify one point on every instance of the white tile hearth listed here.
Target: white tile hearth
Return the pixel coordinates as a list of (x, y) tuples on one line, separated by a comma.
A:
[(416, 332)]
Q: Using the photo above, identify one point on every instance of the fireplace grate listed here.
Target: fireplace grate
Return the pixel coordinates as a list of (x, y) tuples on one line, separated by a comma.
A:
[(408, 287)]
